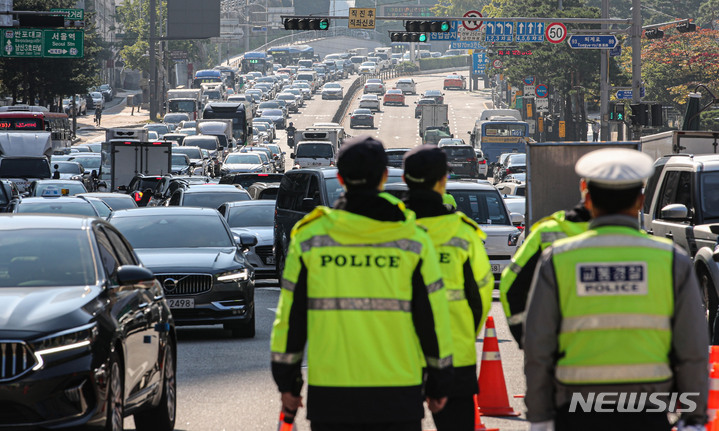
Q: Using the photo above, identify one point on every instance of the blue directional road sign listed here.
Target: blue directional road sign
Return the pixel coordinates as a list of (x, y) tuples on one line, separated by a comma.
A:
[(500, 31), (479, 63), (530, 32), (616, 51), (467, 44), (450, 35), (604, 41), (528, 80), (627, 94)]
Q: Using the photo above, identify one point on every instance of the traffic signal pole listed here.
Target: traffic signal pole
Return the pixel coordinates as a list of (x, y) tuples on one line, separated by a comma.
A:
[(604, 83), (636, 35), (153, 66)]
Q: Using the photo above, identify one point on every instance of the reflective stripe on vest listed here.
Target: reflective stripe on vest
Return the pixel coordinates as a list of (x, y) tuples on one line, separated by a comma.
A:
[(612, 241), (456, 295), (615, 321), (327, 241), (287, 358), (550, 237), (439, 363), (359, 304), (613, 373), (433, 287), (458, 242), (515, 268), (288, 285)]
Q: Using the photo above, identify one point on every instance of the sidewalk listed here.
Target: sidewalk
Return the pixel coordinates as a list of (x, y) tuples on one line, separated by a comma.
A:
[(117, 115)]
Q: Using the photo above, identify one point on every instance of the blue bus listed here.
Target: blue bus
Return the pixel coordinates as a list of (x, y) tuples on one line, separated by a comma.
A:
[(288, 55), (255, 61), (207, 76)]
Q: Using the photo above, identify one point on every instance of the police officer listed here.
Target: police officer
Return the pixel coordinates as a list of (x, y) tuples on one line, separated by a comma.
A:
[(465, 270), (614, 312), (362, 288), (517, 276)]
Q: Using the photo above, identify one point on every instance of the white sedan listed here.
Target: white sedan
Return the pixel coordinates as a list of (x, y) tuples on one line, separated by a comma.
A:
[(332, 90), (368, 67), (369, 101), (97, 99)]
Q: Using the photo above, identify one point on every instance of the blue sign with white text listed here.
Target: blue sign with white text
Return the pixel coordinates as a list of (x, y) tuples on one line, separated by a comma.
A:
[(530, 32), (627, 94), (479, 63), (500, 31), (467, 44), (450, 35), (593, 41)]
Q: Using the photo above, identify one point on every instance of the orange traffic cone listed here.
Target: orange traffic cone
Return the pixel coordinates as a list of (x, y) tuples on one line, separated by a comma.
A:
[(713, 356), (285, 426), (713, 402), (492, 398), (478, 425)]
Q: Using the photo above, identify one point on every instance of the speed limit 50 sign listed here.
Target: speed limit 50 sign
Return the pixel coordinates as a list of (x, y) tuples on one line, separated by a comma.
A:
[(556, 32)]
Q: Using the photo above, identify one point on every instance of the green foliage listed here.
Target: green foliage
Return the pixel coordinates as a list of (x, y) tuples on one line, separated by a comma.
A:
[(45, 79), (407, 66), (444, 62), (709, 120)]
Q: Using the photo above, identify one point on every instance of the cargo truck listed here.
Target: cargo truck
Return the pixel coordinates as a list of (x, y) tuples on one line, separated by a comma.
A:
[(185, 100), (127, 153), (680, 142), (433, 117)]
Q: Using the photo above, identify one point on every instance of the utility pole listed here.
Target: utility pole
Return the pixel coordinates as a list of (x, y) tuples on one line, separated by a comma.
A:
[(153, 60), (604, 82), (247, 25), (636, 58)]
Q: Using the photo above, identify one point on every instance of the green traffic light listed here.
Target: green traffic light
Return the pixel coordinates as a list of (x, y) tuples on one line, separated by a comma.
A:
[(620, 116), (324, 24), (423, 37), (445, 26)]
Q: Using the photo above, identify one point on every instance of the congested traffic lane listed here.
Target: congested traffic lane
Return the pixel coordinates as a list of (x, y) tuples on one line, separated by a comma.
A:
[(397, 127)]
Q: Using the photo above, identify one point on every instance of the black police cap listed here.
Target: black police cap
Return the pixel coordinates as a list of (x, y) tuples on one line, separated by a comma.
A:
[(425, 165), (362, 161)]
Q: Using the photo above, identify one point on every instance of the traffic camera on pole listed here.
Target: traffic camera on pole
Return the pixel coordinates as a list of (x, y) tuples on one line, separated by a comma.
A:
[(306, 24), (427, 26)]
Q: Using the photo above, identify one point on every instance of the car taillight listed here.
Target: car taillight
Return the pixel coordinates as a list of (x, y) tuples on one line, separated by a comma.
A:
[(482, 162), (352, 117)]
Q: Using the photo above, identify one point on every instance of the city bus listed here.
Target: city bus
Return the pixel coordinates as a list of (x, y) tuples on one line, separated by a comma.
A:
[(207, 76), (21, 118), (255, 62), (235, 111), (499, 134), (289, 55)]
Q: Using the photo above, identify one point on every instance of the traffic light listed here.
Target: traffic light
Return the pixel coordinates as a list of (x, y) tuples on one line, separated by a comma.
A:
[(654, 33), (405, 36), (427, 26), (686, 27), (306, 24), (640, 114), (657, 115), (616, 112)]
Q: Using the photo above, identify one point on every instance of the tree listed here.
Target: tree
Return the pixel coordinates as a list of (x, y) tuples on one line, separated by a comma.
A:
[(46, 79), (572, 75)]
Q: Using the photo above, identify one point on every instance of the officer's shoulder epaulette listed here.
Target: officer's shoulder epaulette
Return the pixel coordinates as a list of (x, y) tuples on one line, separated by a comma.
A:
[(469, 221)]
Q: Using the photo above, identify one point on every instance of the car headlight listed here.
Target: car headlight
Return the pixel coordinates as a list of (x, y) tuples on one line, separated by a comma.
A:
[(71, 339), (76, 177), (236, 275)]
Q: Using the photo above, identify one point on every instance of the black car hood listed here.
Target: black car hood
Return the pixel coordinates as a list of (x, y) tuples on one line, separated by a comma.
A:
[(209, 260), (44, 309)]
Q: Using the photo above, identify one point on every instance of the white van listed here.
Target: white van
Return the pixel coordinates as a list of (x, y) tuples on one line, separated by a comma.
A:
[(314, 154)]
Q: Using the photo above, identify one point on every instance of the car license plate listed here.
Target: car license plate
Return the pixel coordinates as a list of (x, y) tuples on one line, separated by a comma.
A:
[(181, 302), (496, 268), (455, 165)]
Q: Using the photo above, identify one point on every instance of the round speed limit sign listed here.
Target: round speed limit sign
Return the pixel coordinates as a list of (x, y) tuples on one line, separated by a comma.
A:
[(556, 32)]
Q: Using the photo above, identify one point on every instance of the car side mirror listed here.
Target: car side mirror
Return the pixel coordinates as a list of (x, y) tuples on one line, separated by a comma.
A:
[(516, 218), (246, 240), (308, 204), (132, 274), (677, 212), (292, 155)]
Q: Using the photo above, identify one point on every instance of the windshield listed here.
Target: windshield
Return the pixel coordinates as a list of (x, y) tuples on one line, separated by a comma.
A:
[(161, 231), (208, 144), (395, 156), (193, 153), (517, 159), (246, 159), (51, 206), (482, 206), (213, 199), (504, 129), (67, 168), (362, 112), (175, 118), (24, 168), (119, 203), (459, 152), (181, 106), (254, 215), (88, 163), (286, 97), (272, 112), (180, 159), (213, 94), (314, 151), (46, 257)]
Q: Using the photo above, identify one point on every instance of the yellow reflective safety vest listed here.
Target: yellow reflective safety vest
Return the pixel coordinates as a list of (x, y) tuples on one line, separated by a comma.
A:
[(467, 276), (357, 278), (542, 234), (449, 199), (616, 297)]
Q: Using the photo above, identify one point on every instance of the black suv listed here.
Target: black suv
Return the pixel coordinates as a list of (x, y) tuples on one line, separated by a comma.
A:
[(301, 190), (462, 161)]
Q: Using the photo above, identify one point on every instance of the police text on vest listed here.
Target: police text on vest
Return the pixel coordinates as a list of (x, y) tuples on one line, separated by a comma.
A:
[(616, 278)]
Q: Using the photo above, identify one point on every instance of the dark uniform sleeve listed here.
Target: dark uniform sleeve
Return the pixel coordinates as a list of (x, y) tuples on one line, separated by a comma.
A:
[(541, 326), (690, 339)]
